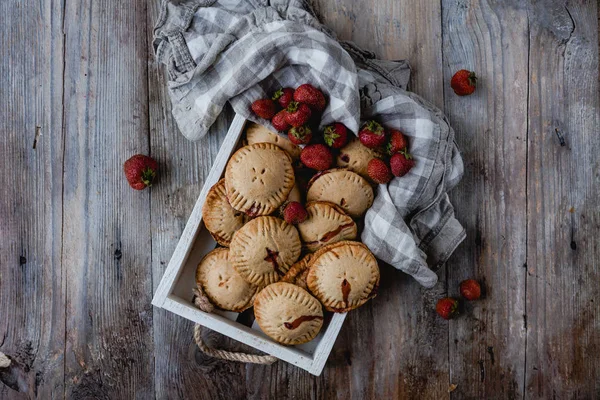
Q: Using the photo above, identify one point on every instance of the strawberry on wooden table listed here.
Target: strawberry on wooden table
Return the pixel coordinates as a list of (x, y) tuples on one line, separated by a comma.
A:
[(397, 142), (294, 213), (463, 82), (379, 171), (316, 156), (279, 121), (372, 135), (335, 135), (300, 134), (470, 289), (297, 114), (284, 96), (264, 108), (310, 95), (401, 163), (140, 171), (447, 307)]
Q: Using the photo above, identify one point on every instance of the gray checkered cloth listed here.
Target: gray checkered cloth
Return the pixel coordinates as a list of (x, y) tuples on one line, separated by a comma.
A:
[(237, 51)]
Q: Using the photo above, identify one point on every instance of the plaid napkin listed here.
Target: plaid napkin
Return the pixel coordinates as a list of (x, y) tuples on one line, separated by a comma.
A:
[(219, 51)]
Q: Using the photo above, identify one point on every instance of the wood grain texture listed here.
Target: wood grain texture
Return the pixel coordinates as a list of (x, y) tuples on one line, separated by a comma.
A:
[(81, 253), (563, 268), (487, 342), (32, 292), (107, 244)]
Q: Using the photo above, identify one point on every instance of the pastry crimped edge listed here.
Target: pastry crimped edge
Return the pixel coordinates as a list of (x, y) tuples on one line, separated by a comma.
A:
[(338, 305), (350, 231), (222, 238), (279, 140), (296, 293), (253, 207), (362, 183), (298, 272), (253, 289), (271, 224)]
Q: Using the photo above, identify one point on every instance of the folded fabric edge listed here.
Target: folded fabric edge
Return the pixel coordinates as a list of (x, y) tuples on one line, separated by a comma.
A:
[(444, 242)]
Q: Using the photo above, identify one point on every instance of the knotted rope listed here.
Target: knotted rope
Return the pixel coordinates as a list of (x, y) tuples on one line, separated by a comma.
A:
[(204, 304)]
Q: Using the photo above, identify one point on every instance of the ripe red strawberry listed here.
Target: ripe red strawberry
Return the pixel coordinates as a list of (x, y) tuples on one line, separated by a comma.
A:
[(264, 108), (401, 163), (397, 142), (335, 135), (140, 171), (279, 121), (316, 156), (372, 135), (308, 94), (447, 307), (284, 96), (300, 134), (297, 114), (379, 171), (463, 82), (470, 289), (294, 213)]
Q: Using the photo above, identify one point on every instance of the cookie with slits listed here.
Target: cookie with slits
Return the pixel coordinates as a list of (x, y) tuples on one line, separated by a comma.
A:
[(259, 178), (259, 134), (220, 219), (288, 313), (343, 276), (326, 223), (345, 188), (264, 249), (355, 156), (221, 283)]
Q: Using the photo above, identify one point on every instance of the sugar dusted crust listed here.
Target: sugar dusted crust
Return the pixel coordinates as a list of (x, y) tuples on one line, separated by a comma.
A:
[(259, 178), (345, 188), (221, 283), (288, 314), (220, 219), (263, 250), (343, 276)]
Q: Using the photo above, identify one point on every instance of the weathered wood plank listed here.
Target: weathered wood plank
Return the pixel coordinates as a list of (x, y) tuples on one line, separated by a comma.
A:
[(181, 370), (107, 245), (394, 30), (32, 293), (487, 342), (563, 268)]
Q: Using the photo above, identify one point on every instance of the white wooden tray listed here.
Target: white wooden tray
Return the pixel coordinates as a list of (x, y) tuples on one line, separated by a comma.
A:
[(174, 292)]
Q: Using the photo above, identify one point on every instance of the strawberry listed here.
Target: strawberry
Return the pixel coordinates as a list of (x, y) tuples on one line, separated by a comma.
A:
[(447, 307), (140, 171), (335, 135), (372, 135), (401, 163), (316, 156), (284, 96), (470, 289), (300, 134), (463, 82), (264, 108), (294, 213), (279, 122), (379, 171), (308, 94), (297, 114), (397, 142)]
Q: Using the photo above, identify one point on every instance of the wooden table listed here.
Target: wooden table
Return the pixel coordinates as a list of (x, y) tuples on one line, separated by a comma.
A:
[(81, 253)]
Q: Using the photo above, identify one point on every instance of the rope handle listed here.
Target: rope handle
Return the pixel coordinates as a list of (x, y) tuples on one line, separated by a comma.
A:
[(203, 303)]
